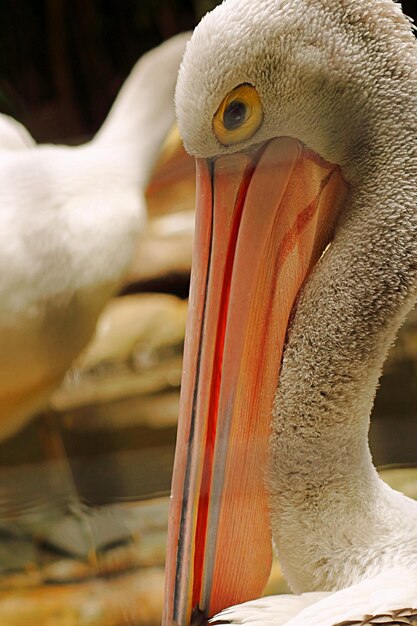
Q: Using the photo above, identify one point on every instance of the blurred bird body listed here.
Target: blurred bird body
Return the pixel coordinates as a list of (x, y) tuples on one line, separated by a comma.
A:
[(69, 222)]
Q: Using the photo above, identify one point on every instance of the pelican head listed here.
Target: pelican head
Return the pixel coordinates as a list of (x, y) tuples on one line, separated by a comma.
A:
[(313, 64), (301, 116)]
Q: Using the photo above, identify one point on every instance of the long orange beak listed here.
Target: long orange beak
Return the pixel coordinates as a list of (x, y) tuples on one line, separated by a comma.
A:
[(263, 221)]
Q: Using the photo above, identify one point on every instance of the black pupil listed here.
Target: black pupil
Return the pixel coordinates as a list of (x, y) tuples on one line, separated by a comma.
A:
[(234, 115)]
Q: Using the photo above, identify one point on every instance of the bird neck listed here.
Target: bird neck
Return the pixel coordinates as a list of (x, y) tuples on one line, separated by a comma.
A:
[(143, 112), (135, 134), (329, 508)]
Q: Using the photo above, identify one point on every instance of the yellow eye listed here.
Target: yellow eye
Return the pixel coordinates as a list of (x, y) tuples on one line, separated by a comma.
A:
[(239, 116)]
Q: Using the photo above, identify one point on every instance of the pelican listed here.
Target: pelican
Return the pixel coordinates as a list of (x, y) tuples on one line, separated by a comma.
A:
[(69, 222), (302, 117)]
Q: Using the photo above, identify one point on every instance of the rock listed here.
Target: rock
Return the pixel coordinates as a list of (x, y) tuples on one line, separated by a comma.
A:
[(136, 350), (153, 411), (131, 543), (84, 533), (131, 599), (17, 550), (65, 571), (165, 249), (118, 597)]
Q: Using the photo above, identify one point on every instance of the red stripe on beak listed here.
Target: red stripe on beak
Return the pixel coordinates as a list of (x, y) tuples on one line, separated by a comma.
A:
[(263, 220)]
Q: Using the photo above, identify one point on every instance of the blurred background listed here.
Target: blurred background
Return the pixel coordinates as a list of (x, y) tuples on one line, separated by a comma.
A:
[(63, 61), (83, 488)]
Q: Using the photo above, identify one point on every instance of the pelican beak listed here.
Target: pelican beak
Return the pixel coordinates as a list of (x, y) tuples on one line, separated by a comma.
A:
[(263, 220)]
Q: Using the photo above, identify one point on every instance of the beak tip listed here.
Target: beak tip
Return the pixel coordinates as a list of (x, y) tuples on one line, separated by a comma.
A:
[(199, 618)]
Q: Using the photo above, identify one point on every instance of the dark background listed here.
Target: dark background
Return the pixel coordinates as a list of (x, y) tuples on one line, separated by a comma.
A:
[(63, 61)]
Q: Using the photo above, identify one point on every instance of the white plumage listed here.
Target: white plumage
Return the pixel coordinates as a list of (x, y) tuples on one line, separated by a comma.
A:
[(69, 222), (395, 589)]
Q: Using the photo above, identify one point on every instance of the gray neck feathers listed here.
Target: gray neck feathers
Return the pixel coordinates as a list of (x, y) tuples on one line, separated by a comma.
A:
[(330, 511)]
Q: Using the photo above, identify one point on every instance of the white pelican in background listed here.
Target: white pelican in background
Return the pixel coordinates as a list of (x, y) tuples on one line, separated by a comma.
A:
[(303, 116), (69, 221)]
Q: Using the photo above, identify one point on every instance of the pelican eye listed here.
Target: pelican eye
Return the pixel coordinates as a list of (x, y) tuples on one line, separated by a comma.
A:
[(239, 115), (235, 114)]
